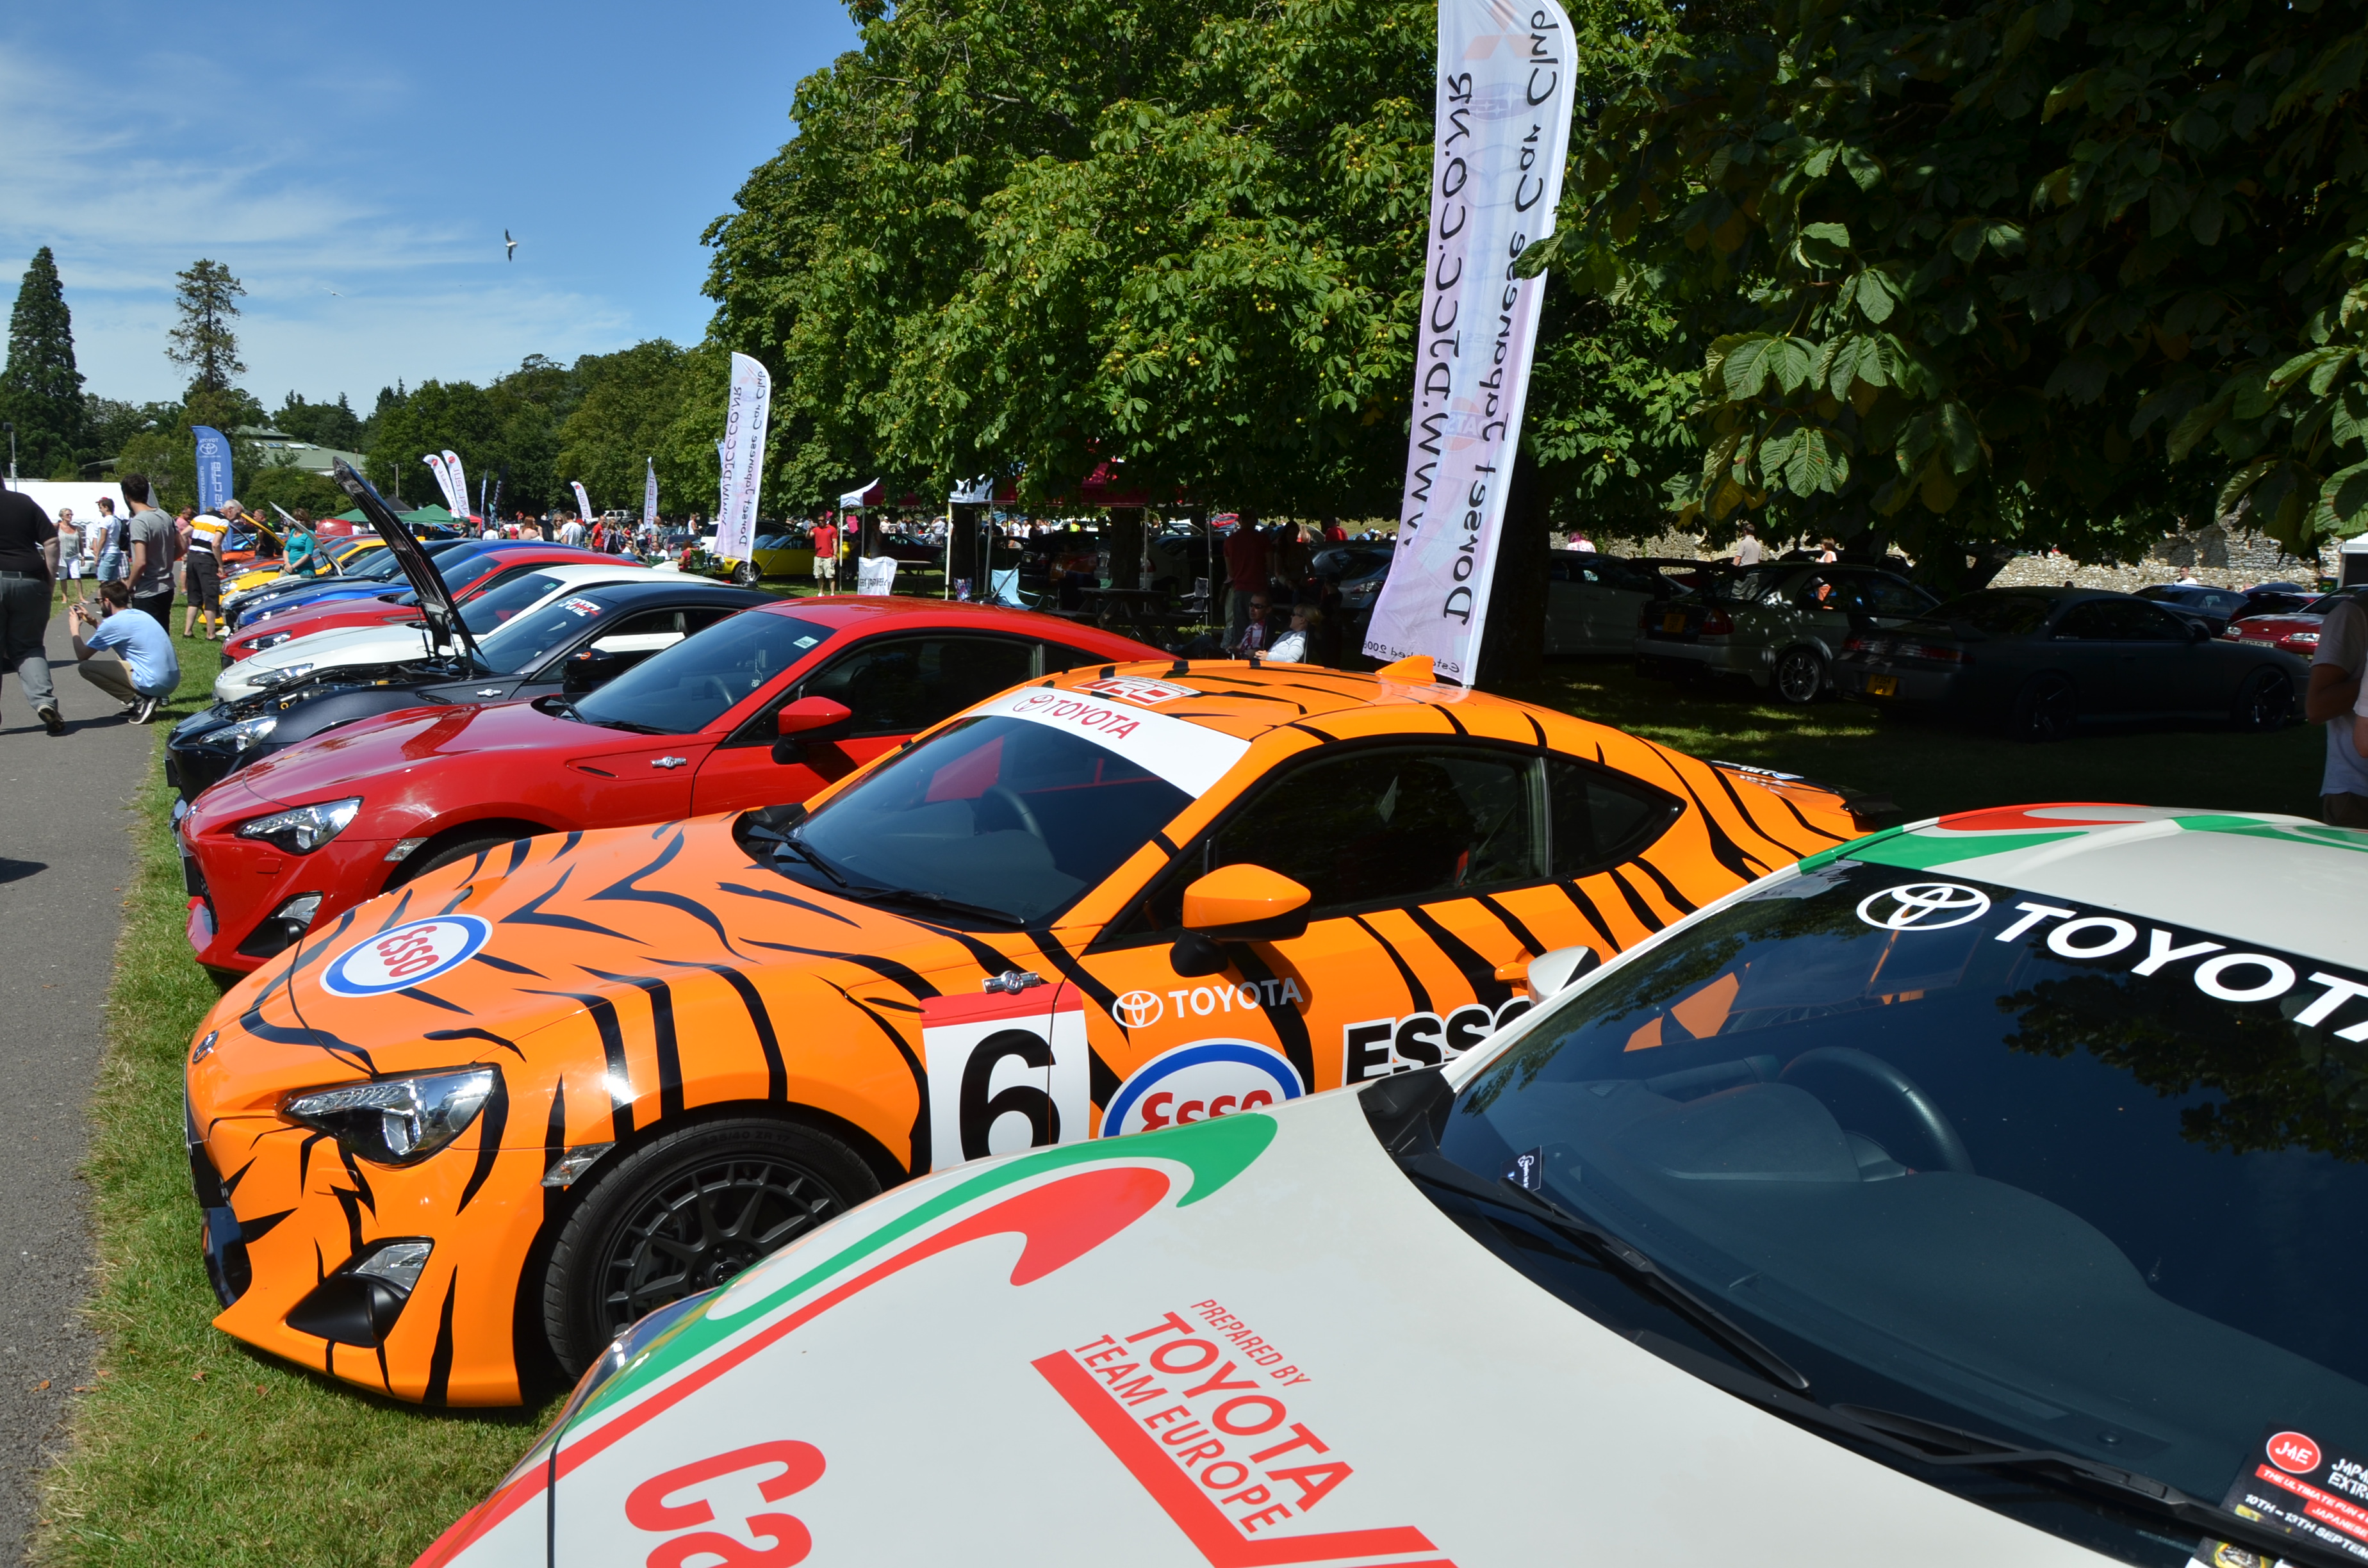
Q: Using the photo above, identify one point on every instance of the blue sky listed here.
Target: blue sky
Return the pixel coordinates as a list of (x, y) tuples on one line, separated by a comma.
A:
[(355, 166)]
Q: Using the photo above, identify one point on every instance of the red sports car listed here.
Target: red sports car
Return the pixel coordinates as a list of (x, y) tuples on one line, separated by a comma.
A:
[(2295, 632), (762, 709), (469, 575)]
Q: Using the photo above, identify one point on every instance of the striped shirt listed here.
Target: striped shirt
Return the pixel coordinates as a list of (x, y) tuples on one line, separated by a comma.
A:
[(206, 531)]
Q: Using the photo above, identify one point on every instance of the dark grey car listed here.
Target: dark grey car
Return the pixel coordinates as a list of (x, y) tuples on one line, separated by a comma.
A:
[(1780, 627), (2045, 660)]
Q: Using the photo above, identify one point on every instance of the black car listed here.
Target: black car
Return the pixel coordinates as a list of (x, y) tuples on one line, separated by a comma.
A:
[(593, 635), (2047, 660), (2216, 608)]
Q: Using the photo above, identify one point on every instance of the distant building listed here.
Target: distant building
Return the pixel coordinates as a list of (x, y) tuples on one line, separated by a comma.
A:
[(280, 447)]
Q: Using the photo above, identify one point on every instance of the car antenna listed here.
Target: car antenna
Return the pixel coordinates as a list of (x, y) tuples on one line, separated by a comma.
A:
[(1180, 668), (1109, 670)]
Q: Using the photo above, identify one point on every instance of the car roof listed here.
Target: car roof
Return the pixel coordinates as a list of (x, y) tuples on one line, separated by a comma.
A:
[(570, 572), (2115, 856), (847, 610), (671, 585)]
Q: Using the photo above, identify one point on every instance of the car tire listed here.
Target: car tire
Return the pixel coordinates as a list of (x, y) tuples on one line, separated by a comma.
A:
[(2046, 708), (436, 859), (684, 1213), (1800, 676), (744, 574), (2265, 702)]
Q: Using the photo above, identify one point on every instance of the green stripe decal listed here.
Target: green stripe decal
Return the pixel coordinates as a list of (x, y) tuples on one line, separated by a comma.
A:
[(1917, 852)]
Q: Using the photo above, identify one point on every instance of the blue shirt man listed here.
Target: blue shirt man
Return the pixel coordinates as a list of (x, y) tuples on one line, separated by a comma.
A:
[(144, 671)]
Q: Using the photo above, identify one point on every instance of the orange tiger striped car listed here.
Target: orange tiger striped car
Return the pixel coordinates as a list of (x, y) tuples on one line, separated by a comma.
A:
[(478, 1127)]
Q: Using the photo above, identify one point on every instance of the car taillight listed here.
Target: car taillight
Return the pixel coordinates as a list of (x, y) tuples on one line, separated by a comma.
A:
[(1716, 623), (1936, 651), (1858, 645)]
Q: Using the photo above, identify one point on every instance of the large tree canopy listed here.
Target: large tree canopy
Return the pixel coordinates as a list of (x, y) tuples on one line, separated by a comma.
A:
[(2003, 271), (41, 391)]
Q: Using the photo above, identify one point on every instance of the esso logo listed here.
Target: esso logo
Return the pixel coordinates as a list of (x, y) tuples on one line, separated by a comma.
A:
[(2294, 1453), (1138, 1009), (1923, 906), (1201, 1081), (405, 955)]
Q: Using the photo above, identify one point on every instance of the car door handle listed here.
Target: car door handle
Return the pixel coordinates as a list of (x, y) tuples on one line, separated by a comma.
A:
[(669, 762)]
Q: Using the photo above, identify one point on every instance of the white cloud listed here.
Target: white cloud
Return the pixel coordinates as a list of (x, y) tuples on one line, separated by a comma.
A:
[(344, 294)]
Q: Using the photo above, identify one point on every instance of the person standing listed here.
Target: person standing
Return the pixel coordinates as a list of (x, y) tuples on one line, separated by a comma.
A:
[(1248, 559), (69, 553), (144, 670), (2332, 699), (149, 569), (571, 532), (185, 528), (825, 561), (1746, 549), (203, 572), (28, 564), (302, 543), (110, 544)]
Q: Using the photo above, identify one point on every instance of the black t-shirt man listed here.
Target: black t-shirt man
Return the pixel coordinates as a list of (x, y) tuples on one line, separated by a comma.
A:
[(23, 529)]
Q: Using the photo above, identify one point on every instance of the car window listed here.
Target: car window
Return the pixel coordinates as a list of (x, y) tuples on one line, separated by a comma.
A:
[(1738, 587), (901, 686), (1597, 819), (2002, 615), (656, 629), (694, 683), (497, 605), (1059, 656), (525, 641), (1889, 598)]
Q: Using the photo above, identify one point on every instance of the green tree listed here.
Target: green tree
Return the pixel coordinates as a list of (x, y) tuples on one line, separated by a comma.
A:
[(333, 425), (2003, 272), (436, 414), (628, 409), (41, 391), (165, 446), (205, 344)]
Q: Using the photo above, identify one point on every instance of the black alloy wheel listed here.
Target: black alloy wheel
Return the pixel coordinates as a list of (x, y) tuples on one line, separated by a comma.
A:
[(1800, 674), (2265, 702), (684, 1213), (2047, 709)]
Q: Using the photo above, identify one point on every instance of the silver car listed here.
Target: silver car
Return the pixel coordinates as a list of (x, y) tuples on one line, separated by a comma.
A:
[(1777, 626), (1593, 601)]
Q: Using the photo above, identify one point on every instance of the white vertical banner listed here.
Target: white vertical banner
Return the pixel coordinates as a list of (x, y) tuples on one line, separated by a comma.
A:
[(744, 457), (435, 463), (459, 482), (583, 502), (1505, 72), (649, 495)]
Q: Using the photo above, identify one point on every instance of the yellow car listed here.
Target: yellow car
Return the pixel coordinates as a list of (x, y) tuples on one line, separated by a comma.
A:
[(771, 555), (325, 561)]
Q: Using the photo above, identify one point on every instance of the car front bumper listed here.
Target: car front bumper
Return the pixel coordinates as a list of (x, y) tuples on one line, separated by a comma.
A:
[(1886, 683), (238, 887), (1723, 657)]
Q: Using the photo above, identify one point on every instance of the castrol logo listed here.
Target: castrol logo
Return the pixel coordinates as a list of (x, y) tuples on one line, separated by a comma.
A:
[(404, 954)]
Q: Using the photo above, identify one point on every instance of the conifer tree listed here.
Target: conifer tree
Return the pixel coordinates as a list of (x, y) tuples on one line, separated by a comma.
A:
[(41, 391)]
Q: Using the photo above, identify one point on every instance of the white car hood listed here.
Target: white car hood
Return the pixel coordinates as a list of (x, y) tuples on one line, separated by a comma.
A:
[(1250, 1341), (345, 645)]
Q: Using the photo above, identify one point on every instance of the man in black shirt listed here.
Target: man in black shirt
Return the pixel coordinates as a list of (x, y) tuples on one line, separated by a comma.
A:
[(28, 564)]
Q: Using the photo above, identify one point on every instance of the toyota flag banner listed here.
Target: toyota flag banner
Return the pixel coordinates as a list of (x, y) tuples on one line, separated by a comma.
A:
[(649, 495), (213, 469), (435, 463), (1505, 79), (743, 462), (459, 483), (583, 502)]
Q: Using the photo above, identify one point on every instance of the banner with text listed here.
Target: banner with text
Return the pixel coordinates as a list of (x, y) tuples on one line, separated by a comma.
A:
[(583, 503), (459, 483), (1505, 72), (649, 495), (744, 461), (435, 463), (213, 468)]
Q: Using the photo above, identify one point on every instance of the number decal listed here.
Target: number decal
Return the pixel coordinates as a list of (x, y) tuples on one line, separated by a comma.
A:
[(1006, 1073)]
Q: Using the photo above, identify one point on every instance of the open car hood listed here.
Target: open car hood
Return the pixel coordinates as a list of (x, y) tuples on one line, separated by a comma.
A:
[(445, 635)]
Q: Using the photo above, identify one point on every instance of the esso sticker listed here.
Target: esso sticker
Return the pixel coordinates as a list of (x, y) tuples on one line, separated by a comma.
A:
[(1201, 1081), (405, 955), (2294, 1453)]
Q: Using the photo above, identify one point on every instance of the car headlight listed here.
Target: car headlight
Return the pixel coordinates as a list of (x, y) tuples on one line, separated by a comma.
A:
[(1359, 595), (302, 829), (397, 1121), (284, 674), (247, 732), (276, 638)]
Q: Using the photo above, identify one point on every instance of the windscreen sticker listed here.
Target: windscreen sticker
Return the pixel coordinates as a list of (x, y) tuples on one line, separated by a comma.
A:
[(1140, 689), (580, 606), (2301, 1487), (1186, 755)]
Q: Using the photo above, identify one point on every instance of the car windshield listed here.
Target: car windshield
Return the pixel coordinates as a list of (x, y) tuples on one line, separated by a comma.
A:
[(527, 640), (2326, 605), (463, 567), (1001, 818), (2001, 615), (1738, 587), (377, 564), (686, 688), (497, 606), (2001, 1161)]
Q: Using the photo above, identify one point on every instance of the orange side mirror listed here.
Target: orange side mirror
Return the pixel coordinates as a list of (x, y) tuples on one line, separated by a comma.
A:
[(1240, 896)]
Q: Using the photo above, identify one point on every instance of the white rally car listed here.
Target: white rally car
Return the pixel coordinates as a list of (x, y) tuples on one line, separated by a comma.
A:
[(359, 648), (1973, 1193)]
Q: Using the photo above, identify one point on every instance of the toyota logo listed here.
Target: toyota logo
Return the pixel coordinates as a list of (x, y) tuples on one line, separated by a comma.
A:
[(1923, 906), (1137, 1009)]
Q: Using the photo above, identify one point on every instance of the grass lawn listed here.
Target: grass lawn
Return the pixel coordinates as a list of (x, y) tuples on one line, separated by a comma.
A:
[(190, 1448)]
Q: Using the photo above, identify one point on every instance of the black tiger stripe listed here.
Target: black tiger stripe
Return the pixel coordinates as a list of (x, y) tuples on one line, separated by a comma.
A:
[(669, 1051), (361, 1182), (1537, 730), (486, 1035), (1478, 972), (394, 916), (520, 849), (350, 1200), (531, 914), (919, 1164), (1290, 1027), (1309, 729), (1414, 989), (761, 1019), (1724, 848), (1512, 923), (1735, 795), (889, 969), (458, 899), (567, 845), (439, 1363), (476, 865), (774, 896), (254, 1023), (1454, 723), (262, 1225), (491, 1122), (304, 1158), (612, 1047), (1678, 901), (386, 1380), (1787, 803), (628, 889), (505, 967), (418, 994), (1103, 997), (554, 1141), (1584, 905), (1165, 843), (230, 1183), (1636, 904)]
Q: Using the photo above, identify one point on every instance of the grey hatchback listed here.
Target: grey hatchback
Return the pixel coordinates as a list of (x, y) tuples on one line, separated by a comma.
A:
[(1777, 626)]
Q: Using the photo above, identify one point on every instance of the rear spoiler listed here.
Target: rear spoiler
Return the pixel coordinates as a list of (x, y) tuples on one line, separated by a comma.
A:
[(447, 636)]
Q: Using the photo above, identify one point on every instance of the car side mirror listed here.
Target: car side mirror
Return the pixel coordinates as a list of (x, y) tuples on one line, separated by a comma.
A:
[(808, 719), (2198, 633), (593, 667), (1550, 972), (1236, 903)]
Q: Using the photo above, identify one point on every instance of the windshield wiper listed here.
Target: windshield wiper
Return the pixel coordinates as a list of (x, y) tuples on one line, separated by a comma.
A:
[(874, 893), (790, 843), (1437, 1170)]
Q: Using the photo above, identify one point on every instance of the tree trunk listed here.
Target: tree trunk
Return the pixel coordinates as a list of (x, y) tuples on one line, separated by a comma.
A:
[(1123, 539), (1513, 643), (962, 556)]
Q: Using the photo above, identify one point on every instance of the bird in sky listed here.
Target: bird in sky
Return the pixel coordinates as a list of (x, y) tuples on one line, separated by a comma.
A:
[(509, 247), (331, 292)]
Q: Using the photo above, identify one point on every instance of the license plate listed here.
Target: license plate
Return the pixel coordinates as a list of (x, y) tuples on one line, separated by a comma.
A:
[(1673, 622), (2258, 642), (1883, 686)]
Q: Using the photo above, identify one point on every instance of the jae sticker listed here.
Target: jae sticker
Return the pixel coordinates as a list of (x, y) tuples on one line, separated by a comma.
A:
[(1140, 689), (580, 606), (1201, 1081), (405, 955), (2296, 1481)]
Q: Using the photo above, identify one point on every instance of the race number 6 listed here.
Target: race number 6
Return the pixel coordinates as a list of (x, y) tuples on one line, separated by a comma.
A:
[(1005, 1073)]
